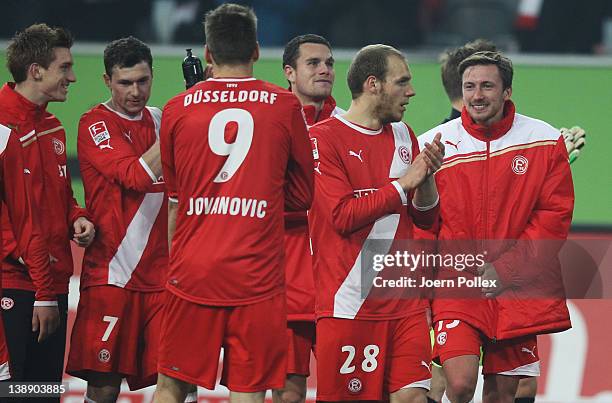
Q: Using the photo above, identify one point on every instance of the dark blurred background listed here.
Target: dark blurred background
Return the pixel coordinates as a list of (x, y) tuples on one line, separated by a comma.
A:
[(542, 26)]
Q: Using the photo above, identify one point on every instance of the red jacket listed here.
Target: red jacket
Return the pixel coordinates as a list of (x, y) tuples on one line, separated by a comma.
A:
[(17, 204), (45, 158), (508, 182)]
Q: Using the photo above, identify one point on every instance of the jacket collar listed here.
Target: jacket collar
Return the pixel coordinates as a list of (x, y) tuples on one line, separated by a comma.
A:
[(310, 111), (496, 130), (19, 106)]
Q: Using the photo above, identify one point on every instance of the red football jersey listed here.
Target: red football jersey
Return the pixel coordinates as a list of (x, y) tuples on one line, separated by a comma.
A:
[(298, 261), (235, 153), (125, 199), (357, 200)]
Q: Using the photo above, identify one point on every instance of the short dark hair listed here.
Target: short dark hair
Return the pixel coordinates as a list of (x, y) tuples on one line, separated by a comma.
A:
[(231, 33), (35, 44), (126, 52), (371, 60), (451, 79), (292, 48), (504, 65)]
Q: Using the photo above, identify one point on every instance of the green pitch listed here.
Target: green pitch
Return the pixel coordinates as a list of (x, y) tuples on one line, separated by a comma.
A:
[(562, 96)]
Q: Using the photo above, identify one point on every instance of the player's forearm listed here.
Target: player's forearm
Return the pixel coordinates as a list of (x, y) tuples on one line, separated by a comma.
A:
[(353, 214), (152, 157), (172, 213), (426, 195)]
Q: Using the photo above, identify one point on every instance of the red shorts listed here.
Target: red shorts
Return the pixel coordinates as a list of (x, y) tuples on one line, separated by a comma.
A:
[(368, 360), (117, 331), (517, 356), (301, 336), (253, 338), (5, 373)]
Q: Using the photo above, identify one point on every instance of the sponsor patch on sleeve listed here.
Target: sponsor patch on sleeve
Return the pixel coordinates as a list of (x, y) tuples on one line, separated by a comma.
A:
[(99, 133)]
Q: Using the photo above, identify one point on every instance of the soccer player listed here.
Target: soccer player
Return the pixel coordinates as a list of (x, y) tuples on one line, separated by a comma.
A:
[(235, 154), (116, 331), (517, 167), (309, 68), (574, 141), (370, 183), (40, 62)]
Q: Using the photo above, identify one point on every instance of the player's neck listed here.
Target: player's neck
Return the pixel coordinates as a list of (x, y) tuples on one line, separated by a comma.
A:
[(238, 71), (31, 93), (307, 101), (363, 114)]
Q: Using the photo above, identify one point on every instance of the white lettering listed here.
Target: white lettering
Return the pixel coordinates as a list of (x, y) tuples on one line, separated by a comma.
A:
[(226, 205)]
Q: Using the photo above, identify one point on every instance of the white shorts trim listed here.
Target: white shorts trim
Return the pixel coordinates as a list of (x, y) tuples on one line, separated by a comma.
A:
[(532, 369), (5, 373), (425, 384)]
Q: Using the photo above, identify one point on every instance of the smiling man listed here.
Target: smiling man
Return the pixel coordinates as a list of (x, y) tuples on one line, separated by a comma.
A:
[(508, 178), (40, 62), (115, 335)]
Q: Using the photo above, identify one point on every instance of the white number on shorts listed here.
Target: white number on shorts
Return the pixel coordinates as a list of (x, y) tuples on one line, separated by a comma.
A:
[(347, 368), (370, 352), (112, 321), (369, 364), (236, 151)]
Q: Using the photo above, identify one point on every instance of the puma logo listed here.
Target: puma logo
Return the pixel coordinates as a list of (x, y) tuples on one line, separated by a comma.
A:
[(317, 169), (423, 363), (526, 350), (450, 143), (107, 145), (354, 154)]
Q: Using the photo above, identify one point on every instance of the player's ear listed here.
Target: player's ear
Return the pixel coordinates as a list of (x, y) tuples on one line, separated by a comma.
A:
[(371, 85), (107, 80), (255, 56), (289, 73), (34, 71), (208, 55), (507, 93)]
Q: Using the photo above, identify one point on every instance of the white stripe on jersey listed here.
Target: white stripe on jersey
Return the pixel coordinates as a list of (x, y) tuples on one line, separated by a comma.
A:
[(348, 299), (27, 136), (5, 133), (5, 373), (401, 136), (156, 114), (134, 242)]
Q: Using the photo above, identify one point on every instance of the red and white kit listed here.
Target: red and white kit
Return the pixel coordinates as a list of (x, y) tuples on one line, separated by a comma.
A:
[(43, 147), (298, 270), (124, 270), (358, 200), (17, 138), (510, 181), (235, 154)]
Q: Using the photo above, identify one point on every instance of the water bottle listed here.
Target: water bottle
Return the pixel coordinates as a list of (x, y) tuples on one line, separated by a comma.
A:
[(192, 70)]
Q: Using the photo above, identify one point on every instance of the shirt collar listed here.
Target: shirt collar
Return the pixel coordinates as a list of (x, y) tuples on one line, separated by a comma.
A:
[(493, 132)]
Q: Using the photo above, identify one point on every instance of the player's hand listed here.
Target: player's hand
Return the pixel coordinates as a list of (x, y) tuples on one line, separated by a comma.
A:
[(84, 232), (45, 320), (488, 272), (434, 154), (575, 139), (425, 164)]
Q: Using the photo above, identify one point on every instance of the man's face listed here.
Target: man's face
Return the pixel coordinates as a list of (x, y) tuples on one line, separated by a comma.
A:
[(396, 91), (55, 79), (484, 94), (313, 77), (130, 87)]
